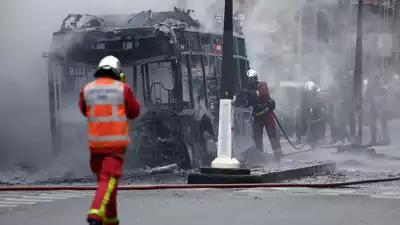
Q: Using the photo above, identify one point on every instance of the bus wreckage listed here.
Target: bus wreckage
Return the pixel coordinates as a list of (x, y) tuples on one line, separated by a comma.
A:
[(174, 69)]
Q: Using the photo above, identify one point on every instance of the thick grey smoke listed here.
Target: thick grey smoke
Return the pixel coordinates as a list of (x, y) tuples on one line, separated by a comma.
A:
[(27, 28), (269, 28), (271, 32), (282, 47)]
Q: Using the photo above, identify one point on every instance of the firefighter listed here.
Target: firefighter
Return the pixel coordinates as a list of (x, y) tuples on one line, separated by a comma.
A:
[(311, 110), (108, 104), (376, 100), (340, 103), (259, 98)]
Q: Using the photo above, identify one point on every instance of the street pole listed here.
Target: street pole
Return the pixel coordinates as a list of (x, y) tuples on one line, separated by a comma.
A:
[(356, 111), (357, 84), (395, 30), (227, 83), (225, 157), (300, 44)]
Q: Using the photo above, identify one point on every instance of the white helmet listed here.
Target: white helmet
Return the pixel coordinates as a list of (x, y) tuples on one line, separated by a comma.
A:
[(310, 86), (252, 75), (110, 63)]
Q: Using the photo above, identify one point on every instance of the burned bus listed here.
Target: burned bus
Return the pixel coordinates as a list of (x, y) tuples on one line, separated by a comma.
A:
[(173, 67)]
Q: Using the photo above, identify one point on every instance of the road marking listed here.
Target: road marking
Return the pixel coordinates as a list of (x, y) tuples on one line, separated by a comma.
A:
[(20, 203), (337, 191), (28, 200), (7, 206), (10, 195), (391, 193), (67, 195), (196, 189), (262, 189), (300, 190), (43, 197), (327, 192), (385, 196), (14, 199), (61, 195), (320, 192)]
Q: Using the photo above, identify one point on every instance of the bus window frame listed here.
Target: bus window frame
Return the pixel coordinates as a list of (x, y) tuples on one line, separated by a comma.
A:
[(188, 53)]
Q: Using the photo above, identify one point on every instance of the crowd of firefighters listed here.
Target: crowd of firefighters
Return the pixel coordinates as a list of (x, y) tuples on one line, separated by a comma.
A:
[(380, 93), (324, 114), (334, 106)]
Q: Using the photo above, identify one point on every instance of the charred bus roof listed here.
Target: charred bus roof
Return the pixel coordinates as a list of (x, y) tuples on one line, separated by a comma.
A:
[(130, 37), (126, 21)]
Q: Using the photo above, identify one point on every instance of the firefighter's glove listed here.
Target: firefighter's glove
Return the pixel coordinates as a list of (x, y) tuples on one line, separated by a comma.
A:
[(271, 104)]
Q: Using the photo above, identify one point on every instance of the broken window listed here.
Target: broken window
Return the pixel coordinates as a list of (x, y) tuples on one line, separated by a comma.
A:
[(185, 80)]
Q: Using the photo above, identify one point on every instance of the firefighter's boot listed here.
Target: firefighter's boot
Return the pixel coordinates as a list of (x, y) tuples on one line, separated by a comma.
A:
[(278, 155)]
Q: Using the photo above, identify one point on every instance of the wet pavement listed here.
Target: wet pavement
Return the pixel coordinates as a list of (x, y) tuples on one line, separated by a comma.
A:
[(349, 167), (355, 205), (204, 206)]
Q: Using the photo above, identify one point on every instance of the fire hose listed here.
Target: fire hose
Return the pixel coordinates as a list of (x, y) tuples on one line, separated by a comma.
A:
[(197, 186), (285, 135)]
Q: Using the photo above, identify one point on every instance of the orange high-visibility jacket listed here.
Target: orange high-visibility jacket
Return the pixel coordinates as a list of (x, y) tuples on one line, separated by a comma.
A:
[(106, 113)]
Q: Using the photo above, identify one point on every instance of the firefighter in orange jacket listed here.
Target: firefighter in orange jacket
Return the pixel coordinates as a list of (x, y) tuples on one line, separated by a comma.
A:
[(108, 104)]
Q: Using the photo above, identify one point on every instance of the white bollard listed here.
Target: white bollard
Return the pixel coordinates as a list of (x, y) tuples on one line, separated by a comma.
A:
[(225, 159)]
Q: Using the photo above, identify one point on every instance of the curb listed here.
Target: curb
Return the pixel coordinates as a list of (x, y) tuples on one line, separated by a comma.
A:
[(201, 178), (260, 177), (210, 170)]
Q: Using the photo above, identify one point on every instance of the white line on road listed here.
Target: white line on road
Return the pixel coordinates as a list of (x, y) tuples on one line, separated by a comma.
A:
[(61, 195), (44, 197), (72, 193), (7, 206), (28, 200), (391, 193), (196, 189), (385, 196), (56, 195), (21, 203), (10, 195), (327, 193), (338, 191)]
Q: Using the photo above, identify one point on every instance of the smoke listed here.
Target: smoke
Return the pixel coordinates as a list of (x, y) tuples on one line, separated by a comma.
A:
[(271, 30), (281, 47), (266, 38), (284, 47), (27, 28)]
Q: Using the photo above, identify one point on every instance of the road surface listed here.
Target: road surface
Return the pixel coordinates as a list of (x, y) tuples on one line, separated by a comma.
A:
[(371, 204), (204, 206)]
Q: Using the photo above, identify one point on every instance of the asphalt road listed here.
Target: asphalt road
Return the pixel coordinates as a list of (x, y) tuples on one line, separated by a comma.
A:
[(275, 206), (203, 206)]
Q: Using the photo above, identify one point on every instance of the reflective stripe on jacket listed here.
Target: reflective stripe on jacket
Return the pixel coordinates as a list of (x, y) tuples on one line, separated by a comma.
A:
[(108, 124)]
